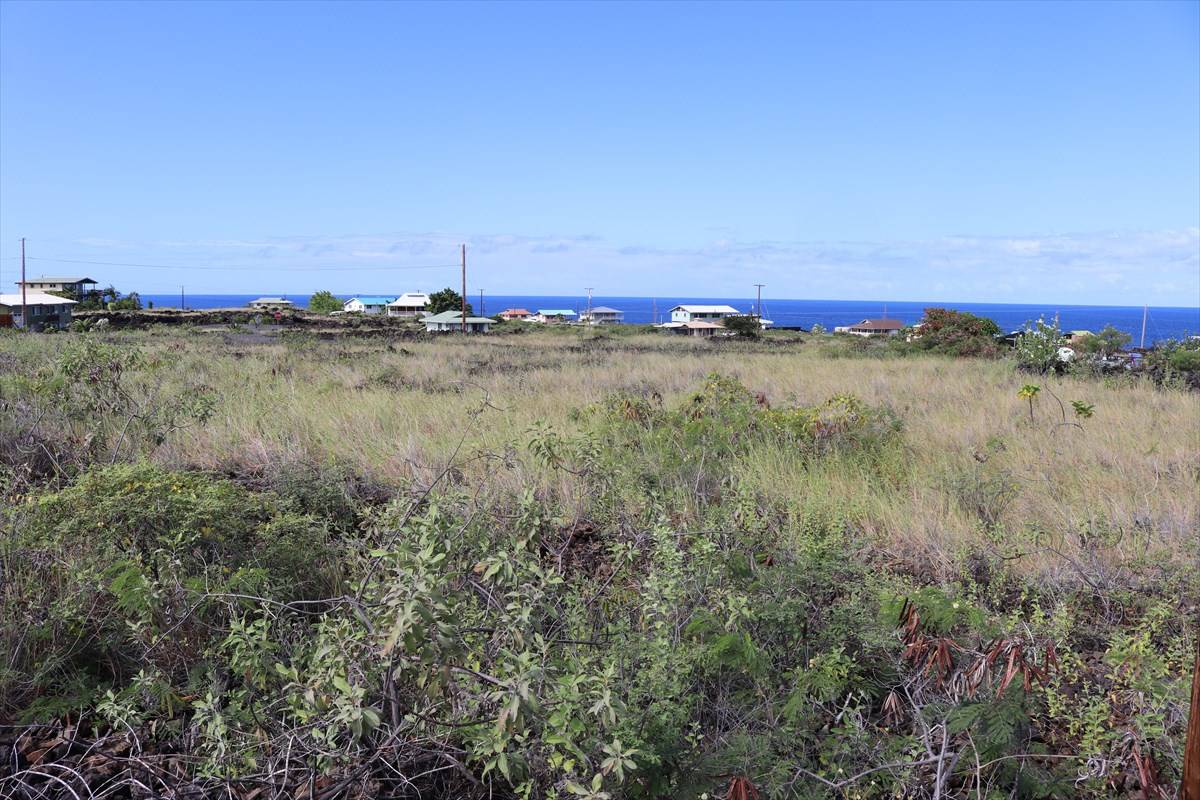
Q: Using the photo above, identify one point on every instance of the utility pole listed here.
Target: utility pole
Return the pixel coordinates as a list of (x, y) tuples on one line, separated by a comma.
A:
[(654, 309), (758, 304), (182, 306), (24, 309), (481, 304), (464, 288), (589, 311), (1145, 313)]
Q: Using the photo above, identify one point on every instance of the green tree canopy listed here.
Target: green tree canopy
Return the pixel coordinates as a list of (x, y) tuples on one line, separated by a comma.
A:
[(746, 325), (945, 330), (447, 300), (1108, 341), (323, 302)]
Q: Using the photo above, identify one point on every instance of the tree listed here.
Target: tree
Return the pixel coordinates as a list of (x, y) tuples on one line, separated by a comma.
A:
[(1038, 345), (447, 300), (746, 326), (944, 330), (130, 302), (1108, 341), (323, 302)]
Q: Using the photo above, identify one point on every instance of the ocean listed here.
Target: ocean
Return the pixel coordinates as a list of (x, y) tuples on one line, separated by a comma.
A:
[(1161, 322)]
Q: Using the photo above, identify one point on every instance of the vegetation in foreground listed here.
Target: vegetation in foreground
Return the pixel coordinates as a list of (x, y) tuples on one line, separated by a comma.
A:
[(587, 566)]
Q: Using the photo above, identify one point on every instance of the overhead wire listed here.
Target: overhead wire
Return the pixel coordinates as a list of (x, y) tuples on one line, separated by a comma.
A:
[(256, 267)]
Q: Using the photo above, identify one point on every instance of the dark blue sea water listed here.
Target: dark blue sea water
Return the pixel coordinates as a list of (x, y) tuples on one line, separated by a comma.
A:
[(1161, 323)]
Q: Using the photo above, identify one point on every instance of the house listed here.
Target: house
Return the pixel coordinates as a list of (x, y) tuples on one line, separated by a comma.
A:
[(453, 321), (515, 313), (603, 315), (272, 304), (45, 311), (872, 327), (695, 328), (694, 313), (76, 287), (1077, 338), (366, 305), (409, 304), (554, 315)]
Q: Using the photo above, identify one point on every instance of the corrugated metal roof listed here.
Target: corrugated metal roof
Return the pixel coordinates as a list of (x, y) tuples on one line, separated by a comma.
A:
[(691, 309), (52, 279), (556, 312), (371, 301), (33, 299), (455, 317)]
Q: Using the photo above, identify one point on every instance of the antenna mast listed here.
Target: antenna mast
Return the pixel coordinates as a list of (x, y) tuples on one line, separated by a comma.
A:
[(464, 288), (758, 303)]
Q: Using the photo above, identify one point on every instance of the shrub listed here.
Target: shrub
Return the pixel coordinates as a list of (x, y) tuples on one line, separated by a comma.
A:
[(956, 333)]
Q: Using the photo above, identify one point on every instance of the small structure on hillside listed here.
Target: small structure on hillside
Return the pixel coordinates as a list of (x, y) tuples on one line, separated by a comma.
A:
[(272, 304), (409, 305), (603, 315), (554, 315), (690, 312), (872, 327), (45, 311), (366, 305), (76, 286), (515, 313), (450, 321)]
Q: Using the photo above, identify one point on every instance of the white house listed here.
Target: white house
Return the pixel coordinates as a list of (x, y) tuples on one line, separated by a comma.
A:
[(872, 327), (366, 305), (45, 311), (701, 313), (76, 286), (554, 315), (453, 321), (603, 315), (272, 304), (409, 304)]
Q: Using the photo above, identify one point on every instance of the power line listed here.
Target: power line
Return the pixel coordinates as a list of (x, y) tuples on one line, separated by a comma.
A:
[(242, 267)]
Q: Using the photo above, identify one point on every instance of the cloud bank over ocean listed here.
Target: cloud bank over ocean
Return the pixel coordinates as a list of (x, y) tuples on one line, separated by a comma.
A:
[(1108, 268)]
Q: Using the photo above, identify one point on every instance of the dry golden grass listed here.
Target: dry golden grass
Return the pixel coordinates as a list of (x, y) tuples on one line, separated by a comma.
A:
[(1117, 492)]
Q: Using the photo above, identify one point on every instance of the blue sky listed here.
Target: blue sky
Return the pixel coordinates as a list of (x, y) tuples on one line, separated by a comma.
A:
[(1025, 152)]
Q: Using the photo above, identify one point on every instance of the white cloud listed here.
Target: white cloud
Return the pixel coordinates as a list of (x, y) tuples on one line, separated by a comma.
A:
[(1119, 268)]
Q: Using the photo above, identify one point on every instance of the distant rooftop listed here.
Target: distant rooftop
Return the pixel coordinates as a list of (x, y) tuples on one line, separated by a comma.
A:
[(702, 309), (606, 310), (33, 299), (371, 301), (53, 279), (556, 312)]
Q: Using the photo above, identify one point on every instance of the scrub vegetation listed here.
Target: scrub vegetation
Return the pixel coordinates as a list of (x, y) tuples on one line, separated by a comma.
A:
[(590, 564)]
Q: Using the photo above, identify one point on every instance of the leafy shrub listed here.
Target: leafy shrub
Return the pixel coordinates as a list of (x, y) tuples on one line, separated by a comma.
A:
[(956, 333)]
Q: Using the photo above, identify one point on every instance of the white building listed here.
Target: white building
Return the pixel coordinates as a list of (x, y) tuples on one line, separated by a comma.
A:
[(700, 313), (45, 311), (366, 305), (409, 304), (76, 286), (272, 304), (553, 315), (453, 321), (603, 315)]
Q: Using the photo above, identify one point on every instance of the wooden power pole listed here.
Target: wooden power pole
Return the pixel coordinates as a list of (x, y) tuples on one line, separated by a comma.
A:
[(758, 303), (1191, 750), (464, 288), (589, 311), (24, 309)]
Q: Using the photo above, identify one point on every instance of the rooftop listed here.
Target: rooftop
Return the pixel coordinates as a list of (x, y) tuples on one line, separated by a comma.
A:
[(53, 279), (879, 325), (411, 299), (33, 299), (271, 300), (556, 312), (700, 309), (606, 310), (371, 301), (454, 316)]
